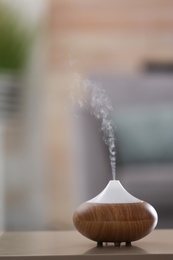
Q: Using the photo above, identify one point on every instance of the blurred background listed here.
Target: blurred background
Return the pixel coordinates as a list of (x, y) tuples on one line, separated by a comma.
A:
[(52, 155)]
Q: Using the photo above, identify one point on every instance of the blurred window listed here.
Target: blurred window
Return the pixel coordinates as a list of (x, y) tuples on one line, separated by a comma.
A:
[(156, 67)]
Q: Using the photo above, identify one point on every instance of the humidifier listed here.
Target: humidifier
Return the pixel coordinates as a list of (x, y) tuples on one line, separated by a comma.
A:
[(115, 216)]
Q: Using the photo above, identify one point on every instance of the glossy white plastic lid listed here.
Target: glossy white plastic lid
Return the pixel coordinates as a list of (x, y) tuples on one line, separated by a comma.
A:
[(114, 193)]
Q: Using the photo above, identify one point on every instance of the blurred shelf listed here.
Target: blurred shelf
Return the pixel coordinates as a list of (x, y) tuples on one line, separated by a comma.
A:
[(71, 245)]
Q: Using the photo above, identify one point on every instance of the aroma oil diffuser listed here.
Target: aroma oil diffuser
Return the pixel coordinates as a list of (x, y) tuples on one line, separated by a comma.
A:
[(115, 216)]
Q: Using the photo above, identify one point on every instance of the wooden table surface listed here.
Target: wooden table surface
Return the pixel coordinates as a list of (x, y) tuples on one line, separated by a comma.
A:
[(72, 245)]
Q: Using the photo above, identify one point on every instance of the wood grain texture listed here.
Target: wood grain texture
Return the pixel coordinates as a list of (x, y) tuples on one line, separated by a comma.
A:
[(116, 223)]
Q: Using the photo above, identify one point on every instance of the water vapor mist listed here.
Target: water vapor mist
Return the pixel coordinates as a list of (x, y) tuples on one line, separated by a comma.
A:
[(92, 96)]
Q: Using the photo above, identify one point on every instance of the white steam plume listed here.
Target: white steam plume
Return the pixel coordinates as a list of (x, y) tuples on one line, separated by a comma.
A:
[(92, 97)]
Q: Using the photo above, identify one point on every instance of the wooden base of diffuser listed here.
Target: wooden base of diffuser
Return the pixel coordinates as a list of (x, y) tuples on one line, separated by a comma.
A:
[(109, 222)]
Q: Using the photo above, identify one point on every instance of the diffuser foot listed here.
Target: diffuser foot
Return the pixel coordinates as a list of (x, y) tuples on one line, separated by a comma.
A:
[(128, 243), (117, 244), (99, 244)]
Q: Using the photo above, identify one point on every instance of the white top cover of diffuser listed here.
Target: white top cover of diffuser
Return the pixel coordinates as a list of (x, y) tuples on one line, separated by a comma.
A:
[(114, 193)]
